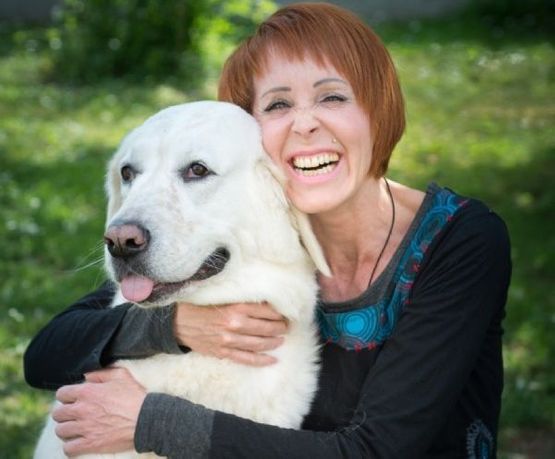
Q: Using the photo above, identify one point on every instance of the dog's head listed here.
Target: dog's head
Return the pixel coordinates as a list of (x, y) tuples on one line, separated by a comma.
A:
[(191, 192)]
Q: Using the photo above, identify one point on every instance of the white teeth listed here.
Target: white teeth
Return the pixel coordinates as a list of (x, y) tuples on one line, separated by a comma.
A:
[(319, 171), (311, 165), (324, 170)]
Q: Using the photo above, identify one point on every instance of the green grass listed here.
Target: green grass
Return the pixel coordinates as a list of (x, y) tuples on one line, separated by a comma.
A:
[(481, 112)]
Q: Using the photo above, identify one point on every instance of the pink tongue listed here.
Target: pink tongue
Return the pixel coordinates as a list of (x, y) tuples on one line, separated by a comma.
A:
[(136, 288)]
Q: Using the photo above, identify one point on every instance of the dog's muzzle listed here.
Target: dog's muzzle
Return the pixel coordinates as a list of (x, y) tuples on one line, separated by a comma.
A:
[(126, 241), (161, 292)]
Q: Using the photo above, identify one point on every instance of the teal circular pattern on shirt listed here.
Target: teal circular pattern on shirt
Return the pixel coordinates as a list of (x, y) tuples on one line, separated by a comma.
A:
[(372, 324), (361, 324)]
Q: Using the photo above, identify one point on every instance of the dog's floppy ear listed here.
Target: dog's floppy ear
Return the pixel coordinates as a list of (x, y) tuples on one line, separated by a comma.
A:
[(113, 188), (309, 241), (301, 223)]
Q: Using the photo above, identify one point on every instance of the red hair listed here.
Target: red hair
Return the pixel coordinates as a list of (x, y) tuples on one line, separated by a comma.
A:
[(329, 35)]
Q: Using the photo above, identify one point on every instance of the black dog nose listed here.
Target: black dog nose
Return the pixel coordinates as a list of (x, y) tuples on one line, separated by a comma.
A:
[(126, 240)]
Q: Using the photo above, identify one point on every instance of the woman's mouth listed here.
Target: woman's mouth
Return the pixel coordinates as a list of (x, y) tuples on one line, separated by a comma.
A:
[(318, 164)]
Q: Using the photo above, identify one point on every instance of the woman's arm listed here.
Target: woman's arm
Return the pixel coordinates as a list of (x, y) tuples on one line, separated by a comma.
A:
[(90, 335), (73, 342), (409, 393)]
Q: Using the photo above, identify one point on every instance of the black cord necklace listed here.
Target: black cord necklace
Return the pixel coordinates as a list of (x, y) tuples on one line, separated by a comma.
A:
[(388, 234)]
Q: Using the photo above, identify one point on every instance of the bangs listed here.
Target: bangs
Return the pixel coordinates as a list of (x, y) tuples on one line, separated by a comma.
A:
[(327, 40)]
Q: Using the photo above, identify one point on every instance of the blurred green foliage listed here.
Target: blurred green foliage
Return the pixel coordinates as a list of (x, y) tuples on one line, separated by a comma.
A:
[(95, 39), (92, 39), (481, 107), (500, 12)]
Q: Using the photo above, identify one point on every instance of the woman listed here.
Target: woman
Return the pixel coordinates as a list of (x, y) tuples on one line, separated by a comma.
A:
[(410, 319)]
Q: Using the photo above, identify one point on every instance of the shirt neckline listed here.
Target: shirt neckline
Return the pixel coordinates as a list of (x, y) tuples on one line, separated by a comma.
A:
[(383, 282)]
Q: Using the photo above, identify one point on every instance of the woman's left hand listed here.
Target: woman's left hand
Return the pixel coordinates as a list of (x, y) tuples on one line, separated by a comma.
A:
[(100, 415)]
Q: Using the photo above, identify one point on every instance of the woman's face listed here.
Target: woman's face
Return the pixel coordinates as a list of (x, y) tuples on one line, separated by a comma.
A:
[(315, 130)]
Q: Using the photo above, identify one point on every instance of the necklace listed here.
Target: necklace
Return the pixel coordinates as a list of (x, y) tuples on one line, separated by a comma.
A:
[(388, 234)]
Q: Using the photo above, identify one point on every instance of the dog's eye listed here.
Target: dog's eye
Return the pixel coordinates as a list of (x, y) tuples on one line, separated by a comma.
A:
[(127, 174), (195, 170)]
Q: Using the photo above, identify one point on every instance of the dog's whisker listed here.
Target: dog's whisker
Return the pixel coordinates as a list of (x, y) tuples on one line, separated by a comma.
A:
[(94, 252), (99, 261)]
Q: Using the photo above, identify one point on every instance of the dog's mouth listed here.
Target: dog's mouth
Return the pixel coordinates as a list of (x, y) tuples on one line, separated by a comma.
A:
[(141, 289)]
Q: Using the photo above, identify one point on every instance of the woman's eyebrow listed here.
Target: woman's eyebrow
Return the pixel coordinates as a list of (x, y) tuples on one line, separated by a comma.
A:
[(277, 89), (315, 85), (328, 80)]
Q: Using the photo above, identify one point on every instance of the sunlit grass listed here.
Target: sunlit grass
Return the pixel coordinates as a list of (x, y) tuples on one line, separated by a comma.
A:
[(480, 112)]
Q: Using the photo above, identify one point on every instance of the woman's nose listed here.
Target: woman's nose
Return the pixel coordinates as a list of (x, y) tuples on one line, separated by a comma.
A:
[(304, 122)]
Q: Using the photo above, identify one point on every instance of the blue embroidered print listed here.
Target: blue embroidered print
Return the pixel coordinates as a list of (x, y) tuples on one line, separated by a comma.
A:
[(367, 327), (479, 441)]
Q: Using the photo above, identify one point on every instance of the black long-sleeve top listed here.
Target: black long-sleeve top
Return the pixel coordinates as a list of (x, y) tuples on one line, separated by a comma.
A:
[(411, 368)]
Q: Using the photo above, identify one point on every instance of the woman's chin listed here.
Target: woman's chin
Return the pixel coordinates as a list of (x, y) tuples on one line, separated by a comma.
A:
[(313, 201), (317, 193)]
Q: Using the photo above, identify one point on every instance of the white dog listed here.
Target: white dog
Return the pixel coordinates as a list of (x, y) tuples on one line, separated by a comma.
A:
[(197, 214)]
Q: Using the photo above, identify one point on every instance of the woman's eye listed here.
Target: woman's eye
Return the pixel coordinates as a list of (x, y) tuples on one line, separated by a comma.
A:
[(127, 174), (277, 105), (196, 170), (334, 98)]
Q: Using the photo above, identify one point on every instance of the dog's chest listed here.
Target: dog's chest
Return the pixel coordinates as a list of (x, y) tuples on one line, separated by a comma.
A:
[(279, 394)]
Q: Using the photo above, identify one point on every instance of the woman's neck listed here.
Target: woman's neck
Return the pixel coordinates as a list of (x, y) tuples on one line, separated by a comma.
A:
[(353, 236)]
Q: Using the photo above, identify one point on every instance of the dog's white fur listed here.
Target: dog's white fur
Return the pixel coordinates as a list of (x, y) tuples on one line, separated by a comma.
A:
[(241, 206)]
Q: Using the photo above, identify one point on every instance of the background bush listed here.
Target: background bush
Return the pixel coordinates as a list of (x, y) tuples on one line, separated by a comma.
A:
[(96, 39), (539, 14)]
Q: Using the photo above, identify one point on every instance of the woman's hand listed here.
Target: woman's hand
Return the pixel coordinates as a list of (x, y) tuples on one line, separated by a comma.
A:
[(100, 415), (240, 332)]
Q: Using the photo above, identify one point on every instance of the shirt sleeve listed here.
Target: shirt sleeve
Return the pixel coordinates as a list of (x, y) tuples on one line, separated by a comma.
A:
[(419, 375), (90, 335), (143, 333)]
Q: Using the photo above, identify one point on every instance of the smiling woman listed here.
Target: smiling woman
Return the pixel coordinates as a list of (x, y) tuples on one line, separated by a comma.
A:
[(328, 157)]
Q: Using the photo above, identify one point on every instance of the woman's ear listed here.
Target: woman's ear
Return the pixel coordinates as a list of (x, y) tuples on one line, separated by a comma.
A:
[(113, 187)]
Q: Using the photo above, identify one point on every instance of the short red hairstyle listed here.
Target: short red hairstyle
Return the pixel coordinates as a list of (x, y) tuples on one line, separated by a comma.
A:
[(332, 35)]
